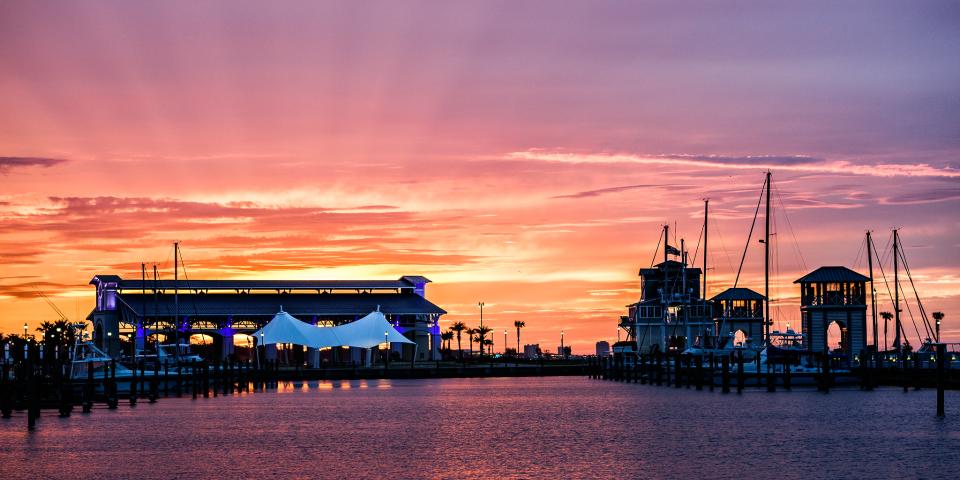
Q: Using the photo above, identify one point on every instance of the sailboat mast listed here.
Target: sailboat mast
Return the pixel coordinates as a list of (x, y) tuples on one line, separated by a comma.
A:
[(683, 293), (873, 293), (143, 310), (766, 265), (176, 300), (706, 213), (666, 282), (896, 288), (703, 293), (156, 317)]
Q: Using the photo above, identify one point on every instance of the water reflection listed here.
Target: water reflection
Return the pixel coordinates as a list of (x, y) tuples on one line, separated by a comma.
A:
[(532, 427)]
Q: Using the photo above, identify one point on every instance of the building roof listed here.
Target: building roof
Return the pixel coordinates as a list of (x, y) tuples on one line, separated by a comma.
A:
[(832, 274), (407, 282), (670, 265), (257, 304), (738, 293)]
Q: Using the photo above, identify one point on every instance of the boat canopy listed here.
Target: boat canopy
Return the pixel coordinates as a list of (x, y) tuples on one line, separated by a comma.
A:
[(367, 332)]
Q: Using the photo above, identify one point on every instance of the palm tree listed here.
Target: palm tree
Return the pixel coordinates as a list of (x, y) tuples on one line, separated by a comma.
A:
[(886, 319), (481, 333), (519, 324), (59, 333), (445, 337), (470, 336), (489, 343), (458, 328)]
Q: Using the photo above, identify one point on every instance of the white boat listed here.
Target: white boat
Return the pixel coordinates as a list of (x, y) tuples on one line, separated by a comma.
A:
[(88, 358), (177, 354)]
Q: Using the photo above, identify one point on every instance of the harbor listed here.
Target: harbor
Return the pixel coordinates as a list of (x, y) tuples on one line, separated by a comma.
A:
[(144, 332), (479, 240)]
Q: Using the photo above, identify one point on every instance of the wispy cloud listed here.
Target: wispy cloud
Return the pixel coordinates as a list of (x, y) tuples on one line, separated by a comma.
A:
[(925, 196), (603, 191), (784, 163), (9, 163)]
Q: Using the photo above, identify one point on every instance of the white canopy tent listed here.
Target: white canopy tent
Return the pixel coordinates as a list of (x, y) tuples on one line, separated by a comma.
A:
[(284, 328), (367, 332)]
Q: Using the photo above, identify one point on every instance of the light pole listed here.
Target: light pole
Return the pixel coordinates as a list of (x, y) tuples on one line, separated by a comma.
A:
[(387, 341), (504, 342), (563, 351), (25, 327), (481, 314)]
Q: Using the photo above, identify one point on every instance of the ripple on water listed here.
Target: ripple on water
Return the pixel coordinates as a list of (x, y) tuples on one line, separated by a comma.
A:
[(498, 427)]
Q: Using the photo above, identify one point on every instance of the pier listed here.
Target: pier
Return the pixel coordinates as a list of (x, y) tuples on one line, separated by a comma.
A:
[(728, 372), (38, 386)]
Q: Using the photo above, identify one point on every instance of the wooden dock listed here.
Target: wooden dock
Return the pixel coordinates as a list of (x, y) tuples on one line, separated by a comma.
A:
[(733, 372)]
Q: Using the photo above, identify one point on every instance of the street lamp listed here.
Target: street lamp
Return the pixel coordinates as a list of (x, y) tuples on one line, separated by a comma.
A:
[(25, 330), (481, 314), (386, 339), (504, 342)]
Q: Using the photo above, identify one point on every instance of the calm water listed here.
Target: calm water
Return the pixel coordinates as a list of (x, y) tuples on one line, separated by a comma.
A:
[(519, 427)]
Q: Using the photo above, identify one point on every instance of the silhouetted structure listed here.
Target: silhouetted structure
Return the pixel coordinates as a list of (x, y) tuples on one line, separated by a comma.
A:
[(222, 308), (738, 310), (834, 294)]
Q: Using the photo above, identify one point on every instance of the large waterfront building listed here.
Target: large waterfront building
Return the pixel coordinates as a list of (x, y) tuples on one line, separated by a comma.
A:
[(222, 309)]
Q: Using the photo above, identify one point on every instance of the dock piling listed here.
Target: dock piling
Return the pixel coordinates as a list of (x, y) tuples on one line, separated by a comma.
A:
[(941, 380)]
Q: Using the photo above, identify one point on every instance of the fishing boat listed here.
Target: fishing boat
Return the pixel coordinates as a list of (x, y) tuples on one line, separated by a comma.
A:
[(87, 358)]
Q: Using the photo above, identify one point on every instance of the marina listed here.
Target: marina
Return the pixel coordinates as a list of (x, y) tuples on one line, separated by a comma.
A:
[(479, 240)]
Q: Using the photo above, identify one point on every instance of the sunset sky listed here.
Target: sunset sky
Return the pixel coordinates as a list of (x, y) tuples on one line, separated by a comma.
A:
[(523, 154)]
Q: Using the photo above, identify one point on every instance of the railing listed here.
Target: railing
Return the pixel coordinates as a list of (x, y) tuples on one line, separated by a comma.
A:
[(832, 299)]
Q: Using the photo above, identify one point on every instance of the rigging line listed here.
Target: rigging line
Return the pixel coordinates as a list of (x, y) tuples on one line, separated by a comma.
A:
[(49, 302), (166, 261), (796, 243), (923, 313), (883, 275), (723, 246), (656, 251), (696, 251), (750, 235), (912, 319), (856, 261), (193, 297)]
